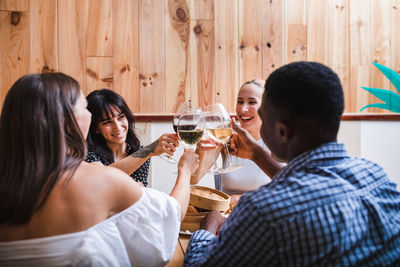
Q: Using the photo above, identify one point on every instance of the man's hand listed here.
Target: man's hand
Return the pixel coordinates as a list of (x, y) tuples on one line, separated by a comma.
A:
[(212, 222)]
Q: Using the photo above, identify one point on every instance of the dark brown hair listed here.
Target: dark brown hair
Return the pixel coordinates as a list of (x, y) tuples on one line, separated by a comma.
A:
[(99, 103), (40, 141)]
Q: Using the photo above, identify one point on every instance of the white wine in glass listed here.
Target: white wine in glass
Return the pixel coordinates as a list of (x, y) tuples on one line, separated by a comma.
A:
[(217, 123)]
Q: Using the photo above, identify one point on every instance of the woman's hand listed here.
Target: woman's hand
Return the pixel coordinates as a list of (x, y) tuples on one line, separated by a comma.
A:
[(205, 145), (188, 161), (166, 143)]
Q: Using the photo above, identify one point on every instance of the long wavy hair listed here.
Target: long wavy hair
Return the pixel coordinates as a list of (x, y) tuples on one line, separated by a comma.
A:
[(99, 104), (40, 141)]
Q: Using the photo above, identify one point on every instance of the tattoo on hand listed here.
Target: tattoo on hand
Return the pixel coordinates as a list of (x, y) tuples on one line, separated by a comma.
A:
[(144, 152)]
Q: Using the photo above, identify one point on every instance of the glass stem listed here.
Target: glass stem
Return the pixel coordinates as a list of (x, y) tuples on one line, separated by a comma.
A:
[(228, 156)]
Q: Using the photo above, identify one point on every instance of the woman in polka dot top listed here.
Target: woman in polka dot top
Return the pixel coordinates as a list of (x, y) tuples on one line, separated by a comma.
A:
[(112, 140)]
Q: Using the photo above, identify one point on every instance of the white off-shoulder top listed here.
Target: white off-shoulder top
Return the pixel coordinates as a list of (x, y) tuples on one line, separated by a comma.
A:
[(145, 234)]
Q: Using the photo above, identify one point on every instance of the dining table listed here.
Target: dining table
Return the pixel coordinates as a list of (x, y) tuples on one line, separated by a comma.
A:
[(180, 250)]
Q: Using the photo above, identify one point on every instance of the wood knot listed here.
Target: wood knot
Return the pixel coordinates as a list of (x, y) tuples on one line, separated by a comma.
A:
[(107, 80), (92, 74), (241, 46), (141, 77), (257, 48), (125, 68), (269, 45), (273, 66), (15, 18), (45, 69), (197, 29), (181, 14), (293, 51)]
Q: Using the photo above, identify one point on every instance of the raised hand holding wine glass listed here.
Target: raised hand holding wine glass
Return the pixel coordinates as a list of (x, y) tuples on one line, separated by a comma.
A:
[(190, 127), (184, 106), (217, 124)]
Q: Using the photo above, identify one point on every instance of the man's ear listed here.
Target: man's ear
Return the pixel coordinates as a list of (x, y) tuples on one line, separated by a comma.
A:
[(283, 132)]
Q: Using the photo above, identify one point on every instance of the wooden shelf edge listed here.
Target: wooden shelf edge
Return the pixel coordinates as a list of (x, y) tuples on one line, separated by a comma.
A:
[(345, 117)]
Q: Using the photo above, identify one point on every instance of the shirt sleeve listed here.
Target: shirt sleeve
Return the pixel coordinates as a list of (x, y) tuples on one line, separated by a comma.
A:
[(245, 239)]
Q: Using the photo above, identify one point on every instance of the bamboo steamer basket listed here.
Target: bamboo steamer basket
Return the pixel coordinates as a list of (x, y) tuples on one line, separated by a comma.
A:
[(208, 198), (192, 220)]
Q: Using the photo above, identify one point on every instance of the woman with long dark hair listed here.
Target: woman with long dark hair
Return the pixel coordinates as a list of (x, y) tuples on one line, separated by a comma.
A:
[(112, 139), (55, 207)]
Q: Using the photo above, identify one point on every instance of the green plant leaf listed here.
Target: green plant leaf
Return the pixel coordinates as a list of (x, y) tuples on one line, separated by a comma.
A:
[(386, 96), (382, 106), (392, 75)]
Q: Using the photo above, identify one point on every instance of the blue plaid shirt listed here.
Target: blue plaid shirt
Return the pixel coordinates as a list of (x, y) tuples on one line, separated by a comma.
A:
[(323, 209)]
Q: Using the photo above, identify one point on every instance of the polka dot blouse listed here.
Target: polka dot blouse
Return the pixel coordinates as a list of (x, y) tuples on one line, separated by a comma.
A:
[(140, 175)]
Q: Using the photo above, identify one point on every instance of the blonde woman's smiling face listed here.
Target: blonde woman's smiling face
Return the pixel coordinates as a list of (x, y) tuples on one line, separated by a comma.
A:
[(247, 105)]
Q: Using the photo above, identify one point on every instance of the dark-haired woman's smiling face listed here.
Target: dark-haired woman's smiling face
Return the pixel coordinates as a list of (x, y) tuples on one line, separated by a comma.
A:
[(114, 129)]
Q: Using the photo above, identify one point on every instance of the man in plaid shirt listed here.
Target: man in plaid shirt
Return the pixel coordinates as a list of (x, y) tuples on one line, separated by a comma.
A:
[(324, 208)]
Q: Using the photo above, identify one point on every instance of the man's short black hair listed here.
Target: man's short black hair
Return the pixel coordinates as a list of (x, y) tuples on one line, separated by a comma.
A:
[(308, 96)]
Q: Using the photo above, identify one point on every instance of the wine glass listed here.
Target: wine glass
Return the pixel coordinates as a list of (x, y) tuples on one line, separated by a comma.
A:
[(190, 127), (217, 124), (185, 105)]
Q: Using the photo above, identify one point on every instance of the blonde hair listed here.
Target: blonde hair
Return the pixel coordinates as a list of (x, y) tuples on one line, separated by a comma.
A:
[(257, 82)]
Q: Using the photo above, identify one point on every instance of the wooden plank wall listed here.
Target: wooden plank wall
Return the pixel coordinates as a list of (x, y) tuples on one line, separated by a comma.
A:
[(159, 53)]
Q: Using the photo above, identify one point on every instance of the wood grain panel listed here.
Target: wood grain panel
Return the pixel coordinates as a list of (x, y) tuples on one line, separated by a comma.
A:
[(338, 40), (14, 48), (152, 56), (126, 51), (202, 9), (71, 38), (177, 55), (202, 62), (250, 40), (380, 47), (164, 52), (359, 55), (317, 31), (44, 36), (226, 53), (99, 28), (395, 38), (273, 36), (99, 73), (14, 5), (296, 43), (296, 12)]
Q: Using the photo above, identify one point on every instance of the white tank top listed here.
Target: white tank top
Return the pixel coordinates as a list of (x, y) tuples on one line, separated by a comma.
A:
[(247, 178)]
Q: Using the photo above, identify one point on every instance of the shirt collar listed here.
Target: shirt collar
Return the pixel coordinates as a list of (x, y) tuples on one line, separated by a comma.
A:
[(331, 150)]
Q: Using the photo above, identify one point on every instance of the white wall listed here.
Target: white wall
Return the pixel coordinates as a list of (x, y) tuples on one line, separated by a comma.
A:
[(378, 141)]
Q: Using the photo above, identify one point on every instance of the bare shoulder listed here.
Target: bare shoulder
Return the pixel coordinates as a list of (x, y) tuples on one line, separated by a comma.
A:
[(108, 184)]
